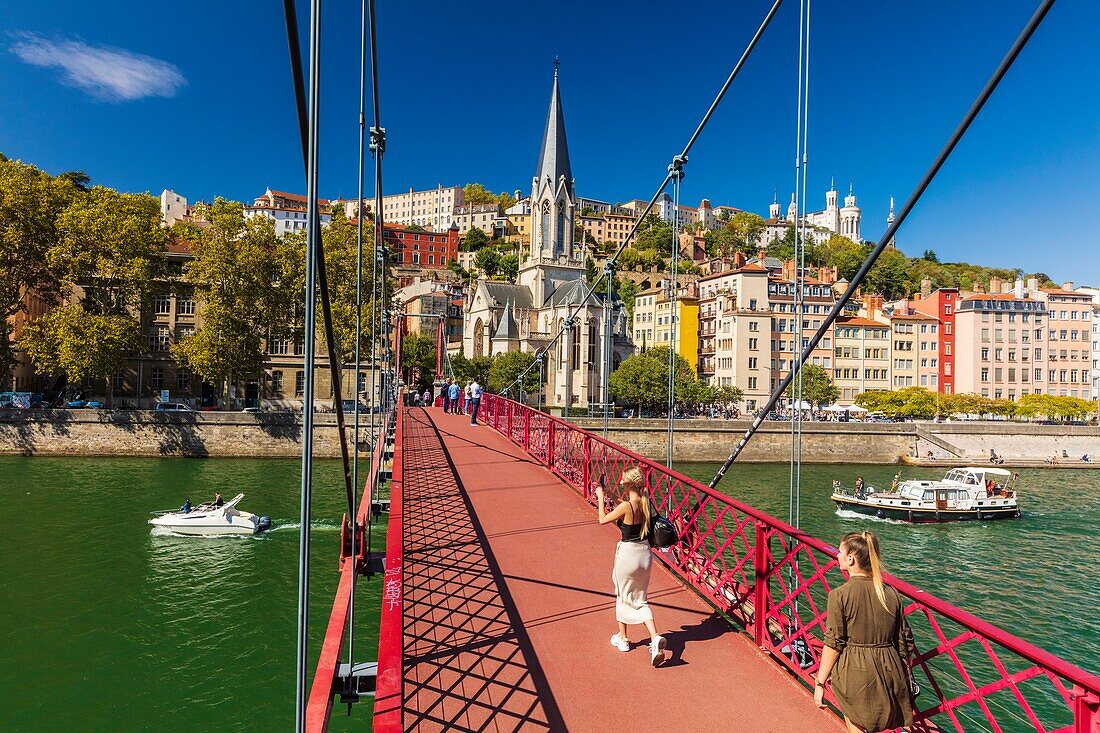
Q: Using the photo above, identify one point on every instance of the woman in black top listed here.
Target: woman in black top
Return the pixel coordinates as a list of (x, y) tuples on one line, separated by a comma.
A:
[(632, 562)]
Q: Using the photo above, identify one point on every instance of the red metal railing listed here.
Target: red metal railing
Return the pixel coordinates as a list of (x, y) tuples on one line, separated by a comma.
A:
[(387, 693), (774, 580), (325, 681)]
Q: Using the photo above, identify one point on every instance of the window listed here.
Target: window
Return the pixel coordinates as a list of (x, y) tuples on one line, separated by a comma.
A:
[(183, 379), (277, 380), (158, 338), (162, 306), (118, 380), (185, 307), (752, 382), (280, 344), (753, 362), (299, 382), (754, 344), (156, 378)]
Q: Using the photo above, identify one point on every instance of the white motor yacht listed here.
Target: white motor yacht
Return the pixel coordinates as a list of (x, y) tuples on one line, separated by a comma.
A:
[(211, 520), (963, 494)]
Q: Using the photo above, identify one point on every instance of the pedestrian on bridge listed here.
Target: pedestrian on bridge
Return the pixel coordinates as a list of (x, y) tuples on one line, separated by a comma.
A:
[(633, 561), (475, 400), (454, 391), (867, 644)]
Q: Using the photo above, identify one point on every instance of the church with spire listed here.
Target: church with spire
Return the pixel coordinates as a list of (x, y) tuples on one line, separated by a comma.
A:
[(527, 315)]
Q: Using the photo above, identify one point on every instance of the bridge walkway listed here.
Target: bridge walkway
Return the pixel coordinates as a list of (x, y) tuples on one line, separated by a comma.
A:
[(508, 608)]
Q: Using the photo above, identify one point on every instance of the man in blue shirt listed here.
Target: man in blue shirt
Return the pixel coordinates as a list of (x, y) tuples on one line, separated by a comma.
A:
[(453, 392)]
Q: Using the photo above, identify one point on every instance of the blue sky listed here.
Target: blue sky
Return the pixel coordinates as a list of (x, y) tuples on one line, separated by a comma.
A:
[(198, 99)]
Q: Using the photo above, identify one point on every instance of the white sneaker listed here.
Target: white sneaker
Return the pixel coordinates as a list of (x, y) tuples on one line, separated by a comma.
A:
[(619, 643), (657, 650)]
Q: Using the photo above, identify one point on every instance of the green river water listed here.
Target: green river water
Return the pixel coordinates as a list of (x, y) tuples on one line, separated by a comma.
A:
[(108, 627)]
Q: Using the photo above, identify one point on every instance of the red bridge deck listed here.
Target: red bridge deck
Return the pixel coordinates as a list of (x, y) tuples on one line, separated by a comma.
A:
[(508, 608)]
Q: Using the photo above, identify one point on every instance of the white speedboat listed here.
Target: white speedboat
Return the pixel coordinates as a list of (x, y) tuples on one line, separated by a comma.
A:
[(211, 520), (963, 494)]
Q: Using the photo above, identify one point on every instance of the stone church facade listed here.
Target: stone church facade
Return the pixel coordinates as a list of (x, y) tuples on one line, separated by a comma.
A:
[(527, 315)]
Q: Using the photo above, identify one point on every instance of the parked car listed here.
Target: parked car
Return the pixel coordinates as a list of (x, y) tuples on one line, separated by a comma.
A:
[(20, 400), (172, 407), (254, 410), (84, 404)]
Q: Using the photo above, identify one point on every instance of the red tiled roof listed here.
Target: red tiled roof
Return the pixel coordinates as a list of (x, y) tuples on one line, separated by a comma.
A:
[(997, 296)]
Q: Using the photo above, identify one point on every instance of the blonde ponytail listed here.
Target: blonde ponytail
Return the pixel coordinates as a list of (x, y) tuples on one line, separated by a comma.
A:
[(864, 547), (875, 557), (647, 513)]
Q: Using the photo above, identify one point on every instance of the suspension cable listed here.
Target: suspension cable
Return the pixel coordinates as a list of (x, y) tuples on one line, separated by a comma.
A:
[(972, 113), (680, 159), (796, 201), (310, 130), (358, 332), (677, 171), (801, 268)]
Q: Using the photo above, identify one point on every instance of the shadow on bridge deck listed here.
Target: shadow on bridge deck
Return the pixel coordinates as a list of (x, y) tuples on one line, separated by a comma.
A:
[(509, 606)]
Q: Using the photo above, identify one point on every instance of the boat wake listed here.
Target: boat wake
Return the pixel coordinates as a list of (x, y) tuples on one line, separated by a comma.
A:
[(849, 514), (323, 526)]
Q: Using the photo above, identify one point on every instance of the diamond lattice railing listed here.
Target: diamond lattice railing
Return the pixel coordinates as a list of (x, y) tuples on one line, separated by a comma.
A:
[(774, 580)]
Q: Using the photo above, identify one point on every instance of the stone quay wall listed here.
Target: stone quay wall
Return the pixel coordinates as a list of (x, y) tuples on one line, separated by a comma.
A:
[(147, 433), (229, 434)]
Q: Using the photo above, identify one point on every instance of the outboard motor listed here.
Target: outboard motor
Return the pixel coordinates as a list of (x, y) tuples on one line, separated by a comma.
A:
[(263, 524)]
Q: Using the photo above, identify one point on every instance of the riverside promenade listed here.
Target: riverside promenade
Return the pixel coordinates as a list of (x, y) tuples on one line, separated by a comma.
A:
[(508, 608)]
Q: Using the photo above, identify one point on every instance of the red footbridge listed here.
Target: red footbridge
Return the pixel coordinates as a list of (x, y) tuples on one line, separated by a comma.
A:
[(497, 603)]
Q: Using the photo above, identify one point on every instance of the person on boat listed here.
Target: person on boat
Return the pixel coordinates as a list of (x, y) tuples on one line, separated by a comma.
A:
[(1086, 458), (218, 501), (895, 483), (186, 508), (859, 488), (633, 561), (867, 644)]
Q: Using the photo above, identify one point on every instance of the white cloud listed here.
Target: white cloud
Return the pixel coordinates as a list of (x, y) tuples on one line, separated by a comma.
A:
[(109, 74)]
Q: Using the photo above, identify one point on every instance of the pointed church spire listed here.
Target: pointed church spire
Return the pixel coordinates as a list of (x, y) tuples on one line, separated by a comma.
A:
[(554, 154), (832, 183), (506, 329)]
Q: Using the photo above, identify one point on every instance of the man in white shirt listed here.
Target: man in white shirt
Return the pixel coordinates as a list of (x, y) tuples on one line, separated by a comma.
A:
[(475, 401)]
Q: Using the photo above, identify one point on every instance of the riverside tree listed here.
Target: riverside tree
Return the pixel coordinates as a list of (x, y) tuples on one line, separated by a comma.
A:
[(506, 369), (817, 387), (236, 273), (82, 345), (108, 257), (30, 201)]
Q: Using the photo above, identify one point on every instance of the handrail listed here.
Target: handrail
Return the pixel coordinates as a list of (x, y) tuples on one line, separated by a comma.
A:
[(775, 579), (325, 679), (388, 700)]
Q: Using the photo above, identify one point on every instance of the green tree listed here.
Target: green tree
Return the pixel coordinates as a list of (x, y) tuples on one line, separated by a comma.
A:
[(249, 281), (746, 228), (475, 194), (654, 234), (930, 255), (474, 240), (640, 380), (30, 201), (817, 387), (627, 290), (506, 369), (509, 267), (82, 345), (845, 255), (889, 275), (721, 242), (418, 360), (488, 261), (111, 244)]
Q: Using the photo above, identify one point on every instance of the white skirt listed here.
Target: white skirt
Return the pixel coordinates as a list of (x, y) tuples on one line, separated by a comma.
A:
[(631, 577)]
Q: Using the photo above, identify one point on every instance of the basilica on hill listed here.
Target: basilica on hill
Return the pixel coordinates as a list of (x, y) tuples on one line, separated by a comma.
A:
[(526, 316)]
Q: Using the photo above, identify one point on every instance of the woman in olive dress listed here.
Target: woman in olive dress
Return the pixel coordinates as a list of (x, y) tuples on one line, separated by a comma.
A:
[(867, 643)]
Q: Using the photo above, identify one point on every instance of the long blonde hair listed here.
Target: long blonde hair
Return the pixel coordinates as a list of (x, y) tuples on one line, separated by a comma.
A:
[(632, 479), (864, 547)]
